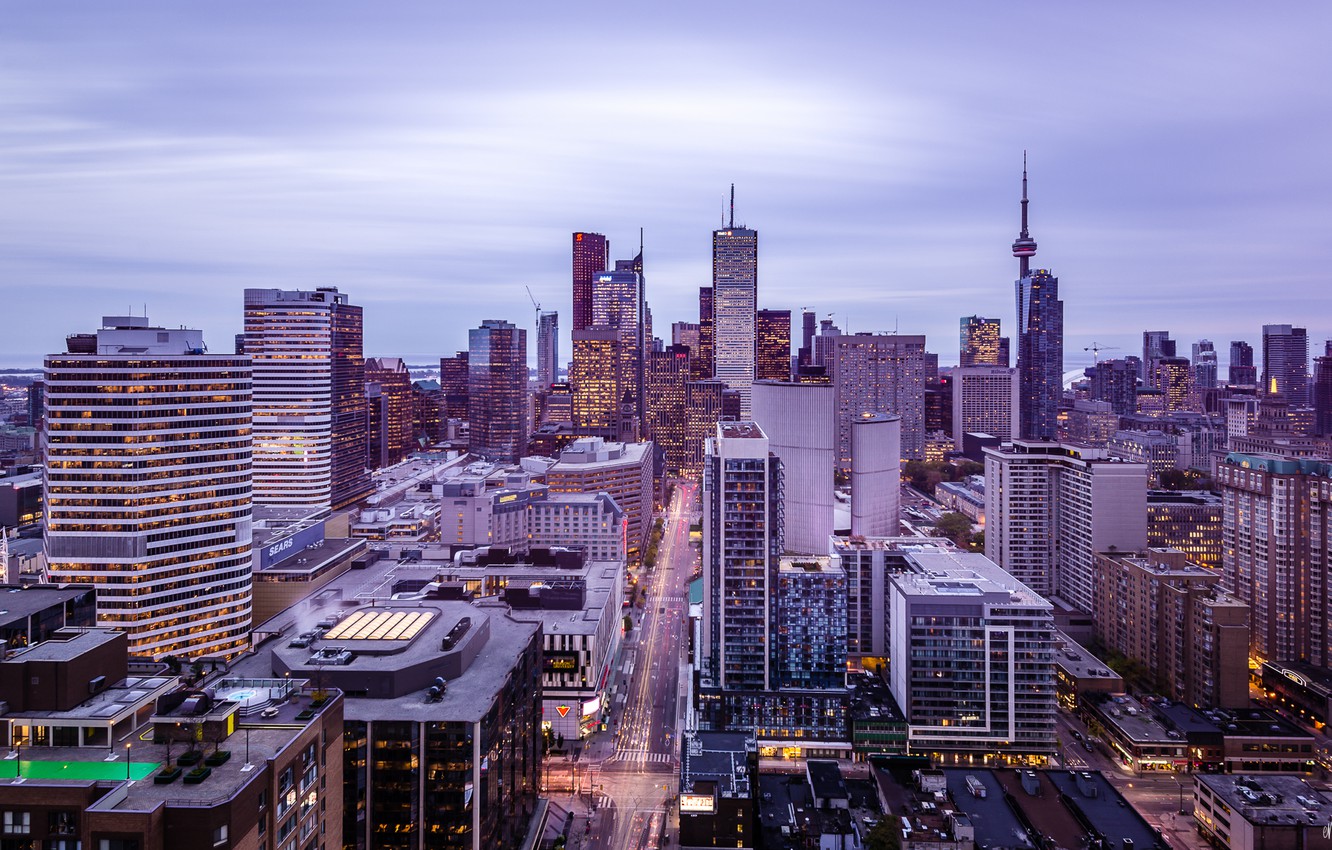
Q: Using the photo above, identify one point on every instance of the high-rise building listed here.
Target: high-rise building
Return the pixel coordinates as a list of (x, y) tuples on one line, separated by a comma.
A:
[(685, 333), (876, 479), (798, 421), (1155, 345), (703, 407), (808, 325), (772, 345), (1173, 617), (1050, 506), (597, 381), (497, 390), (1040, 322), (1277, 518), (390, 411), (591, 255), (624, 470), (309, 397), (735, 294), (939, 407), (1190, 521), (825, 344), (1242, 371), (1116, 382), (548, 348), (667, 417), (742, 544), (879, 373), (617, 303), (1205, 369), (972, 658), (148, 486), (701, 369), (1322, 392), (985, 401), (1286, 363), (978, 342), (1174, 379), (453, 378)]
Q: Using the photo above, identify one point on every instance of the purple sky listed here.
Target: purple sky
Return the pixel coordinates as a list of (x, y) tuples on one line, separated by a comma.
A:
[(432, 158)]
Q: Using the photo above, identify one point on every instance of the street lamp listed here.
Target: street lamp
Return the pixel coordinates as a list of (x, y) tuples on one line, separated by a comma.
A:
[(128, 744)]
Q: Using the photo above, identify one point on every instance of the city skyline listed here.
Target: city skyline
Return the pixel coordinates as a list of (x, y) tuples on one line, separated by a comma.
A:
[(400, 159)]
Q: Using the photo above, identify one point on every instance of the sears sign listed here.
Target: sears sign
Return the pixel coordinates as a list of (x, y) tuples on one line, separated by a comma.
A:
[(280, 550)]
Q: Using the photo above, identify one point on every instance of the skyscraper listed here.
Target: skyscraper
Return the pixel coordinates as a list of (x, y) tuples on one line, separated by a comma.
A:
[(147, 485), (1242, 372), (1040, 321), (497, 390), (978, 342), (591, 255), (618, 304), (1322, 392), (309, 397), (805, 357), (390, 411), (548, 348), (702, 365), (734, 293), (772, 345), (985, 400), (1116, 382), (1155, 345), (453, 377), (879, 373), (1286, 363), (1204, 365), (742, 544), (666, 375), (350, 478)]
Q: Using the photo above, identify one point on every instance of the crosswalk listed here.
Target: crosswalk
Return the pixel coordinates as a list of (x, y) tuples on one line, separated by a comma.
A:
[(641, 757)]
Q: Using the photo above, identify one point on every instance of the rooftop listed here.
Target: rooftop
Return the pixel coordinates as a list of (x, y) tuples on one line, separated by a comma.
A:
[(1270, 799), (721, 757), (740, 430), (22, 602)]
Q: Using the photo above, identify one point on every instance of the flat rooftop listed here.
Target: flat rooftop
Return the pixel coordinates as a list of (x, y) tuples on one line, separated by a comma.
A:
[(1074, 658), (1269, 799), (740, 430), (1137, 724), (22, 602), (63, 645), (721, 757), (960, 574), (858, 542)]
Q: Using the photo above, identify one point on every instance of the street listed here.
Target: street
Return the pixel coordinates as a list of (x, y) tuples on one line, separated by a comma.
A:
[(630, 774)]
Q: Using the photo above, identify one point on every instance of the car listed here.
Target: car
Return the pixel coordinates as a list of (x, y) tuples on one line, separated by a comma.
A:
[(1077, 736), (1087, 745)]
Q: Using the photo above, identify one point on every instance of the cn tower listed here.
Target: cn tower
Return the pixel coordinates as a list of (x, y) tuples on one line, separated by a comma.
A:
[(1024, 247)]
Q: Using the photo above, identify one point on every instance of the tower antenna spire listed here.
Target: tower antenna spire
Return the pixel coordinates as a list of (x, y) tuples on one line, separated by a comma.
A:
[(1024, 247), (732, 225)]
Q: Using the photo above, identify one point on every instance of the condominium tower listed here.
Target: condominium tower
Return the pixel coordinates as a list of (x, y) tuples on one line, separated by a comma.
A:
[(742, 543), (879, 373), (1286, 363), (147, 482)]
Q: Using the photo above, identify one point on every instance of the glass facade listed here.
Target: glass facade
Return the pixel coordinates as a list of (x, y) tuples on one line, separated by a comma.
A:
[(497, 391), (1040, 363)]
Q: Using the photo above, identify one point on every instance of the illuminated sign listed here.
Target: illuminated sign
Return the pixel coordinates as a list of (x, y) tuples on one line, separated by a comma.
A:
[(698, 803), (562, 709), (508, 497), (559, 662), (591, 706), (1296, 678)]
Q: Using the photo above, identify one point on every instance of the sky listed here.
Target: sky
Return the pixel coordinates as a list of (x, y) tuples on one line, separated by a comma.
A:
[(431, 159)]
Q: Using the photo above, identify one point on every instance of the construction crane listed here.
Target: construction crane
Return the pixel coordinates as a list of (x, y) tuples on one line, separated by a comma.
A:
[(1096, 350), (534, 304)]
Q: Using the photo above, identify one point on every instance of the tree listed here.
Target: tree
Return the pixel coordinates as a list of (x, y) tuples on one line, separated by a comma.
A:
[(978, 542), (955, 527), (884, 836)]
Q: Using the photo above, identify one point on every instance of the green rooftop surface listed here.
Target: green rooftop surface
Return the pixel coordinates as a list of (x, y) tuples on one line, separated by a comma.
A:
[(81, 770)]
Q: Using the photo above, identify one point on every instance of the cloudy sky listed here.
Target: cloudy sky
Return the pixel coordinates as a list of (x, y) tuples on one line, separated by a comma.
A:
[(432, 158)]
